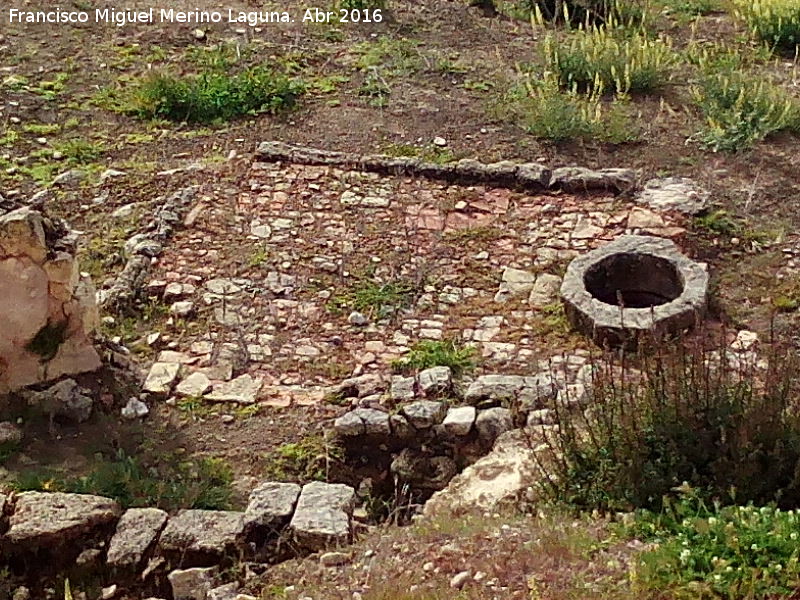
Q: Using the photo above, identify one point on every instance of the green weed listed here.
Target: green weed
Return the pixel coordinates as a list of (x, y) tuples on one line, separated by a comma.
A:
[(170, 484), (308, 459), (435, 353), (374, 298), (711, 551), (214, 96)]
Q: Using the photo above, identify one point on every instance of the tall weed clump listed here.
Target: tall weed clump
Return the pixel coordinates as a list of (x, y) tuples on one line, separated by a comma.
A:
[(549, 112), (594, 56), (697, 416), (739, 108), (775, 22)]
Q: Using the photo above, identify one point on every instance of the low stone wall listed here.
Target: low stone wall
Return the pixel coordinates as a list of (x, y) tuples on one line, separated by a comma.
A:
[(531, 176), (53, 531), (47, 307)]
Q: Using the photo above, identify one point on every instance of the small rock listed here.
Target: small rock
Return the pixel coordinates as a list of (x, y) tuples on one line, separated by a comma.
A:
[(68, 178), (270, 507), (492, 422), (545, 290), (459, 420), (182, 309), (193, 386), (243, 389), (199, 34), (745, 340), (161, 378), (542, 416), (439, 141), (322, 516), (435, 380), (107, 593), (460, 580), (10, 434), (111, 173), (192, 584), (136, 532), (358, 319), (402, 388), (134, 409), (349, 425), (224, 592), (424, 414), (334, 559), (88, 557)]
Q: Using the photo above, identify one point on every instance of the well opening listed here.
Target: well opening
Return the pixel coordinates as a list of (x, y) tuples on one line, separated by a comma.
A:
[(633, 280)]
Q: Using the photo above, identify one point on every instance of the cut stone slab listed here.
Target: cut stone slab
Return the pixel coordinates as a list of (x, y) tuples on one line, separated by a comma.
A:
[(349, 425), (322, 516), (207, 532), (577, 179), (22, 234), (270, 508), (494, 387), (194, 385), (493, 422), (545, 290), (369, 421), (402, 388), (51, 520), (497, 479), (222, 287), (136, 533), (229, 591), (401, 428), (376, 421), (674, 193), (514, 282), (193, 584), (435, 380), (424, 414), (243, 389), (363, 385), (161, 378), (459, 420)]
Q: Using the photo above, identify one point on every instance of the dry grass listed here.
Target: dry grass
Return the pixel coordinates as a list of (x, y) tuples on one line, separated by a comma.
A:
[(549, 555)]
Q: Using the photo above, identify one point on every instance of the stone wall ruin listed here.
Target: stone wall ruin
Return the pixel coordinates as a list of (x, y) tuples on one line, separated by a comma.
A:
[(47, 306)]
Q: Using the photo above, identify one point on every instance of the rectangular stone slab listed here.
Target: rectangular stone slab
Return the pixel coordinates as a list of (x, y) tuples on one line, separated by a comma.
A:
[(322, 516)]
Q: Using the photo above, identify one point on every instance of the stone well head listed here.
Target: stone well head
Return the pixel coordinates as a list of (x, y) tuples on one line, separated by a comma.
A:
[(634, 286)]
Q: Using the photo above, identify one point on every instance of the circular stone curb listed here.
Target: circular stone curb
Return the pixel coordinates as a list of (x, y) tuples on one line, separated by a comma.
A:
[(665, 274)]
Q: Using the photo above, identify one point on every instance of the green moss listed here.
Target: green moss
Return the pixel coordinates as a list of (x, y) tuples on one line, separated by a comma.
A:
[(48, 340)]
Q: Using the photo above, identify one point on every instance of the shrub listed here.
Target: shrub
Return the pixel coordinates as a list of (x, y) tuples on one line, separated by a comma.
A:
[(776, 22), (599, 58), (548, 112), (435, 353), (740, 110), (720, 552), (697, 416), (214, 96)]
